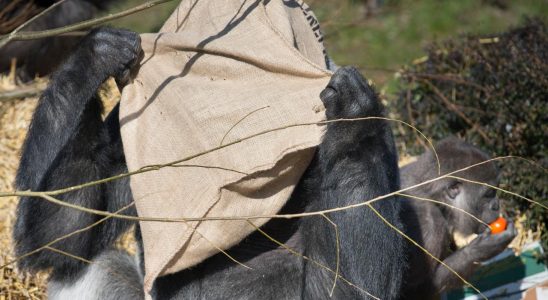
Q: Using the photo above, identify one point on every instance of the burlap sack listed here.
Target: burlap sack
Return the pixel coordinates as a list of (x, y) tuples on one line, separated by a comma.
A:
[(220, 71)]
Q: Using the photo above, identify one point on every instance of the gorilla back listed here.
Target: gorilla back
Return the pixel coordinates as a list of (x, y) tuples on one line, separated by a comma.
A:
[(68, 144)]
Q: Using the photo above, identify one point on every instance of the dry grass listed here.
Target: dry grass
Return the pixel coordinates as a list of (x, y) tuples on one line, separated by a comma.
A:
[(15, 116)]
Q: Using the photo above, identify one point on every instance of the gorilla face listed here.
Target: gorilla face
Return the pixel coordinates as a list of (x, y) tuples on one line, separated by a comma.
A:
[(488, 202), (481, 201)]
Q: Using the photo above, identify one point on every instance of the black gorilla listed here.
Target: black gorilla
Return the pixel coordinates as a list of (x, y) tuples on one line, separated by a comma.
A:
[(434, 226), (69, 144)]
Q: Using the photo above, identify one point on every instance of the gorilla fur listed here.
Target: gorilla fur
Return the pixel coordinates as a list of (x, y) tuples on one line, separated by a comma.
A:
[(42, 56), (435, 226), (69, 144)]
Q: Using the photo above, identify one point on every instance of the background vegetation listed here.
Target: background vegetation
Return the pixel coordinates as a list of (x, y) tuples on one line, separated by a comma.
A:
[(499, 85), (493, 91), (394, 35)]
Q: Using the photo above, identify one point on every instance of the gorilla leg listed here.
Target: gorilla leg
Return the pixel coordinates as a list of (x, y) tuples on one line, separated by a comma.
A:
[(68, 144), (113, 275), (356, 161)]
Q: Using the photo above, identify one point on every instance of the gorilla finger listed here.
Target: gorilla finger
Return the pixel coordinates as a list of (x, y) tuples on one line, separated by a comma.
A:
[(130, 38), (328, 93), (124, 56), (123, 78), (136, 58), (512, 229)]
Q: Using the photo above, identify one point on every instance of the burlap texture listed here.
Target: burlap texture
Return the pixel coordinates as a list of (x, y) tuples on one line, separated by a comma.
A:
[(217, 72)]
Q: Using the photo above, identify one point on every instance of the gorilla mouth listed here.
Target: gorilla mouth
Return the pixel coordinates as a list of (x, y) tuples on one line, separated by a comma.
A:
[(491, 220)]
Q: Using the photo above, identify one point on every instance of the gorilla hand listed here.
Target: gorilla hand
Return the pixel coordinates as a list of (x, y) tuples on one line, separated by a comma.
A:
[(356, 161), (349, 96), (487, 245), (109, 52)]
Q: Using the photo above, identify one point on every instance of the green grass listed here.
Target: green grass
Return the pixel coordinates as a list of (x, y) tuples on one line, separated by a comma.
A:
[(402, 29), (149, 20), (395, 36)]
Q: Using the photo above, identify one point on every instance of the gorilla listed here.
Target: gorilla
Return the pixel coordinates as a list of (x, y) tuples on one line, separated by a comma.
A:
[(68, 143), (435, 226), (40, 57)]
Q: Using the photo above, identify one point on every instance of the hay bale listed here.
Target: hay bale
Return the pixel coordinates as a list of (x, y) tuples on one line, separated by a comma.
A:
[(15, 116)]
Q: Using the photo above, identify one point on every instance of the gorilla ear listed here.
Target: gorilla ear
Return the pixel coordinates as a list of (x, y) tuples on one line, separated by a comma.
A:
[(453, 189)]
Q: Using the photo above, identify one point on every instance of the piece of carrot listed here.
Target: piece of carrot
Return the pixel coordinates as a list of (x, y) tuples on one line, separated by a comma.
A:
[(498, 226)]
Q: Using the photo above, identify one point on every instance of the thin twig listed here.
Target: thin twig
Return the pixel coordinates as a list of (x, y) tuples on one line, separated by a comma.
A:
[(108, 268), (54, 5), (177, 162), (368, 203), (243, 118), (445, 204), (24, 92), (425, 251), (500, 189), (66, 236), (195, 229), (46, 196), (337, 261), (23, 36), (317, 263), (209, 167), (132, 203), (87, 261)]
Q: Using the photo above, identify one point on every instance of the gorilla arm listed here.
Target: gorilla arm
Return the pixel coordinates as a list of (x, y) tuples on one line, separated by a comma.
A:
[(356, 161), (72, 88), (69, 144), (465, 260)]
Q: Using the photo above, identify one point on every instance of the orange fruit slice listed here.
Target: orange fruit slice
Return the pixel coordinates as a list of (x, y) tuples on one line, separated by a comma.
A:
[(498, 226)]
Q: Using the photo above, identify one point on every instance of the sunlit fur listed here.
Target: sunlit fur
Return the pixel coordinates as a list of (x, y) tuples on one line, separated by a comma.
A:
[(68, 144), (434, 226)]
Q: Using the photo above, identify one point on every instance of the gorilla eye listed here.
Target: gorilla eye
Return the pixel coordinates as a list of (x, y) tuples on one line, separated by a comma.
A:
[(491, 193), (454, 190)]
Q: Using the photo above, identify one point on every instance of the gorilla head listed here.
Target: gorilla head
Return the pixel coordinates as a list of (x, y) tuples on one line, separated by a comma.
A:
[(477, 199), (440, 229)]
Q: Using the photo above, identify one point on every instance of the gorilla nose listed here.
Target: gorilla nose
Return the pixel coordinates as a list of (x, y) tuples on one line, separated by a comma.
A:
[(495, 205)]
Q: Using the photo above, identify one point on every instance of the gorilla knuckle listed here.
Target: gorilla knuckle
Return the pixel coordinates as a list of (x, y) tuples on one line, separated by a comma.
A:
[(349, 95)]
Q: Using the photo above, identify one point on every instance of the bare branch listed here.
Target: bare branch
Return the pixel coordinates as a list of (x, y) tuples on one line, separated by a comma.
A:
[(48, 197), (425, 251), (29, 91), (176, 163), (45, 11), (23, 36), (315, 262)]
